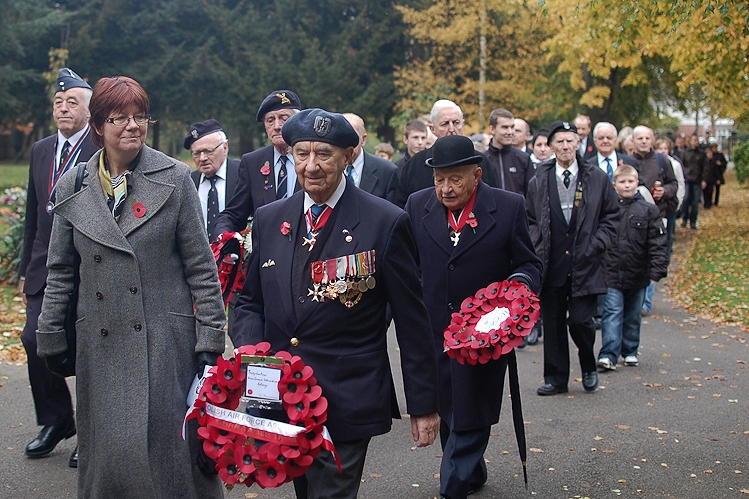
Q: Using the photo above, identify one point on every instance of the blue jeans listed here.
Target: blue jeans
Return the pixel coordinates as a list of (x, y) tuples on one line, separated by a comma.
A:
[(670, 228), (647, 299), (691, 203), (620, 326)]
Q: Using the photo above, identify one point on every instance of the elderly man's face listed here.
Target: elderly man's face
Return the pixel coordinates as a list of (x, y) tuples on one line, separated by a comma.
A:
[(503, 133), (643, 139), (449, 122), (605, 140), (456, 184), (70, 111), (564, 145), (319, 167), (273, 122), (209, 153)]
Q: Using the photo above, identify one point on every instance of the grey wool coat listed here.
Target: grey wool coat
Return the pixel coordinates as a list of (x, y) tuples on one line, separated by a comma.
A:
[(149, 300)]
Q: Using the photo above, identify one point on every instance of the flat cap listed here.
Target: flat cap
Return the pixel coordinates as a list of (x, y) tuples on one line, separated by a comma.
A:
[(561, 126), (319, 125), (278, 99), (201, 129), (453, 150), (67, 79)]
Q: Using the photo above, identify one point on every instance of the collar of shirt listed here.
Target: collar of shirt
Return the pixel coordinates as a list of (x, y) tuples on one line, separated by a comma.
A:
[(220, 173), (290, 171), (572, 169), (73, 141), (332, 200), (358, 168), (602, 160)]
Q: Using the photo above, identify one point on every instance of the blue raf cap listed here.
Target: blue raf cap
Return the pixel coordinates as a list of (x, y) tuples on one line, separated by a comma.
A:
[(278, 99), (67, 79), (198, 130), (320, 125)]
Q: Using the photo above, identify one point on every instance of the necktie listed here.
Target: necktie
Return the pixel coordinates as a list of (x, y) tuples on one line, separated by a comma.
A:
[(610, 170), (64, 154), (213, 210), (581, 147), (316, 210), (281, 190), (350, 173), (566, 180)]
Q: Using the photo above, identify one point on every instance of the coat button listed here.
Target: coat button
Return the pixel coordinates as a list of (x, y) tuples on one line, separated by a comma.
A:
[(451, 267), (99, 296), (97, 258), (133, 289), (301, 299), (450, 307), (104, 332), (137, 327), (567, 252), (567, 235), (294, 342)]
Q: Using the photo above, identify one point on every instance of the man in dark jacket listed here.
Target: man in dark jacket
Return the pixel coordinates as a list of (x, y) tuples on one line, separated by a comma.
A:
[(638, 255), (695, 173), (573, 215), (512, 166), (655, 168), (714, 176)]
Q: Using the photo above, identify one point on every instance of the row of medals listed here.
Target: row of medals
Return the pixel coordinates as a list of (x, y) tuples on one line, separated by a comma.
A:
[(349, 290)]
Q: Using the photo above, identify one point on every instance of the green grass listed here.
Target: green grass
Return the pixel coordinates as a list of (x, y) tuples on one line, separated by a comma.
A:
[(13, 175)]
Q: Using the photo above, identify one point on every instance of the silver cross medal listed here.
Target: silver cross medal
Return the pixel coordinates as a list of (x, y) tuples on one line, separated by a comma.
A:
[(455, 237), (311, 241)]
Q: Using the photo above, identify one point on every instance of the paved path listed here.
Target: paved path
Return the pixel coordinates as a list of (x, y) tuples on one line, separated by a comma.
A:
[(677, 426)]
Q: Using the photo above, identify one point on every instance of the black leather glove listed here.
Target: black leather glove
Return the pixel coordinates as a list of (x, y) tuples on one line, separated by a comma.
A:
[(206, 359), (61, 364), (205, 464)]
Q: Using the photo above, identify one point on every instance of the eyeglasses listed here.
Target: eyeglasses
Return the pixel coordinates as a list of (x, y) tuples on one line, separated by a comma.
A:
[(207, 152), (140, 119)]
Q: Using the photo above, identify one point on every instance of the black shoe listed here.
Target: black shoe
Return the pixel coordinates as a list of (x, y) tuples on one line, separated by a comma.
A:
[(532, 338), (597, 322), (684, 223), (590, 381), (73, 462), (549, 389), (48, 438)]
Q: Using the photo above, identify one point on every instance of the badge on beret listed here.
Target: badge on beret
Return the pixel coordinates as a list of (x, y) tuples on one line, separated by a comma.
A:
[(322, 125), (284, 99), (566, 125), (194, 133)]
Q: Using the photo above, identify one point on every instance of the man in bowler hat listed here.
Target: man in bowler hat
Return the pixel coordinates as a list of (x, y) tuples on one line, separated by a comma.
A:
[(454, 266), (302, 297), (49, 159), (573, 215)]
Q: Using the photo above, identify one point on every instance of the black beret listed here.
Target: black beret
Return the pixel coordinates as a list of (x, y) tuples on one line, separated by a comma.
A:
[(278, 99), (561, 126), (201, 129), (453, 150), (67, 79), (319, 125)]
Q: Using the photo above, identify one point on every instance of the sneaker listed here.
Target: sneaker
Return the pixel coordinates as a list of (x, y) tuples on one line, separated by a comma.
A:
[(629, 360), (606, 364)]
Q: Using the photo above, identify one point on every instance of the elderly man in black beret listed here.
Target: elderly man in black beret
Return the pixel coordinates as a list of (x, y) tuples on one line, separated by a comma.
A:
[(573, 214), (49, 159), (266, 174), (216, 174), (325, 263), (455, 265)]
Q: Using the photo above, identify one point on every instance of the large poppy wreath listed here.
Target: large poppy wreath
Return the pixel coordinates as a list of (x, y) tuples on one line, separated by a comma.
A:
[(256, 450), (229, 251), (491, 323)]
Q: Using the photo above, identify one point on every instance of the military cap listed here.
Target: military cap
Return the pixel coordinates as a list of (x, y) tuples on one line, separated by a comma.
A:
[(278, 99), (201, 129), (321, 126), (561, 126), (67, 79), (453, 150)]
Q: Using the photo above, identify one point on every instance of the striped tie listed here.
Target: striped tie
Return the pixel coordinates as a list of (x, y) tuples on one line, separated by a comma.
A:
[(281, 190)]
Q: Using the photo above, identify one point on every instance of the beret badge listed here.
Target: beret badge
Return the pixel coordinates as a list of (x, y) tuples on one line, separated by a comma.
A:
[(283, 98), (322, 126)]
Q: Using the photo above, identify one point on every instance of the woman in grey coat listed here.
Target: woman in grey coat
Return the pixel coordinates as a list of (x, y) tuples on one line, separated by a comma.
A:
[(149, 310)]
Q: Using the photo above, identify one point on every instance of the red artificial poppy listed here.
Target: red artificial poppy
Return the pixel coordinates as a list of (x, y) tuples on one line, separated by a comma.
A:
[(214, 450), (271, 474), (214, 392), (286, 229), (227, 468), (230, 375), (139, 210), (297, 466), (472, 222), (265, 169), (245, 457)]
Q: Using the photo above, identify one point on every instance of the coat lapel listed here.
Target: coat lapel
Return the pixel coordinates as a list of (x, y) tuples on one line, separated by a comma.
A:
[(285, 252), (435, 222), (483, 209), (368, 177)]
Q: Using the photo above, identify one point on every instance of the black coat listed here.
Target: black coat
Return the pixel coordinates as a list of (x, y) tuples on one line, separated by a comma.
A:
[(717, 168), (232, 174), (516, 169), (501, 248), (638, 253), (696, 165), (596, 224), (379, 177), (346, 347), (251, 192), (38, 227)]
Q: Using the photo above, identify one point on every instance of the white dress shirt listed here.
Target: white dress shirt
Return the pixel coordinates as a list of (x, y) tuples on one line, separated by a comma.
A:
[(290, 171), (205, 185)]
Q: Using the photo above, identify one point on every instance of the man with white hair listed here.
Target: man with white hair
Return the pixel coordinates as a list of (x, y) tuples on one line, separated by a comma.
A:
[(447, 119), (606, 157)]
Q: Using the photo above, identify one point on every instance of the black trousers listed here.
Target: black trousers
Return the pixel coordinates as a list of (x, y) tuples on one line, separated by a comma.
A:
[(324, 481), (560, 311), (51, 395)]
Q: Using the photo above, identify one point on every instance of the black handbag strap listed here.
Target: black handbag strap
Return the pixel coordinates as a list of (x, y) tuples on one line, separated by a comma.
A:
[(79, 174)]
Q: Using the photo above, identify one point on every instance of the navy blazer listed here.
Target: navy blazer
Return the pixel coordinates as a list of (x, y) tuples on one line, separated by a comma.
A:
[(379, 177), (346, 347), (232, 174), (500, 248), (38, 227), (250, 193)]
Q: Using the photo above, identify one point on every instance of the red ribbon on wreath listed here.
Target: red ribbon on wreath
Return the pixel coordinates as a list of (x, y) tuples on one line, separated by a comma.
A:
[(228, 250), (255, 450), (491, 323)]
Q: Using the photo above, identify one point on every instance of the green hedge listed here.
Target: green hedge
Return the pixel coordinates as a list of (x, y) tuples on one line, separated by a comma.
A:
[(741, 162)]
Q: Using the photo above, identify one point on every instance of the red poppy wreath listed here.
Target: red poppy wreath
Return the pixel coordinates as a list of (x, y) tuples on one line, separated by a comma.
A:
[(250, 449), (491, 323), (229, 250)]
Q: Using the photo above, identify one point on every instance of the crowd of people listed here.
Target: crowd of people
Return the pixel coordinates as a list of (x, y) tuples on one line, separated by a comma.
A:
[(578, 213)]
